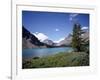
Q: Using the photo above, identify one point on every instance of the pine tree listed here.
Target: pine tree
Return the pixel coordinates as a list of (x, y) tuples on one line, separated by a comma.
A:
[(76, 38)]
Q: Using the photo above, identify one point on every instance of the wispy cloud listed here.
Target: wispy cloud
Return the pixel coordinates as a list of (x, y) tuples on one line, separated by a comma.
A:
[(72, 16), (84, 28), (57, 29)]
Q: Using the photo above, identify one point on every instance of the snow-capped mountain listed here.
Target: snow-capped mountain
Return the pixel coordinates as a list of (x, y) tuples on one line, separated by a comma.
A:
[(49, 42)]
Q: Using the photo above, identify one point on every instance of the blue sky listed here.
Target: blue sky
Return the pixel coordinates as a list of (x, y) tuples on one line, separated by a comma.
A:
[(52, 25)]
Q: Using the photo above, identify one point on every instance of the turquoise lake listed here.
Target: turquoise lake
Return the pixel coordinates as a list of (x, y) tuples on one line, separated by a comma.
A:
[(40, 52)]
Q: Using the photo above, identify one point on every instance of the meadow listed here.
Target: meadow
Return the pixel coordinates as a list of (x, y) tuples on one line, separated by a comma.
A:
[(62, 59)]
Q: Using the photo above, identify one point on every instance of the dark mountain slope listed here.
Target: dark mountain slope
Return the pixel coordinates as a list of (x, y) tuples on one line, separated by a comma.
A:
[(29, 40)]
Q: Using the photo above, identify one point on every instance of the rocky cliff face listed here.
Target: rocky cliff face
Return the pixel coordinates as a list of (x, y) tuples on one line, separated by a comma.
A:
[(29, 40)]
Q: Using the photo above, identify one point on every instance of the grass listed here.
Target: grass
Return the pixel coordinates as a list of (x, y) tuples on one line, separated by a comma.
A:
[(61, 59)]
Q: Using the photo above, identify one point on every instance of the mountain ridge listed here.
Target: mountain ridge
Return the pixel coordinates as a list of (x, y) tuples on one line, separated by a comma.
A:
[(29, 40)]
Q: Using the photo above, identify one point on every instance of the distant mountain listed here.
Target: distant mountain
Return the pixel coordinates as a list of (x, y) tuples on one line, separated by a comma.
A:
[(85, 30), (85, 34), (29, 40), (67, 41), (49, 42), (56, 44)]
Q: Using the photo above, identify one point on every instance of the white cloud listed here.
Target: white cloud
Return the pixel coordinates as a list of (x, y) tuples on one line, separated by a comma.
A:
[(84, 28), (56, 29), (59, 40), (40, 36), (36, 32), (70, 19), (72, 16)]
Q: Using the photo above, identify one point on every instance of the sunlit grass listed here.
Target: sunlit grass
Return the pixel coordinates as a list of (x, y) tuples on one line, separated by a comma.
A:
[(61, 59)]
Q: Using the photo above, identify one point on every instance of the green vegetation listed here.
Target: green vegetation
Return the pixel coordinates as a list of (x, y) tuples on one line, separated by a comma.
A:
[(76, 40), (59, 60), (78, 43)]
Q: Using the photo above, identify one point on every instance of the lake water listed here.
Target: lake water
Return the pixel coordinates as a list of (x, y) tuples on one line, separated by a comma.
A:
[(40, 52)]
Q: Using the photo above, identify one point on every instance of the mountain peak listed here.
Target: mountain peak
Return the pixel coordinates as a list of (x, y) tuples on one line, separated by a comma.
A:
[(47, 41)]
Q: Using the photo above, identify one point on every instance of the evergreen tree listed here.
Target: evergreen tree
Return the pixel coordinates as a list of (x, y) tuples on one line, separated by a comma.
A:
[(76, 39)]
